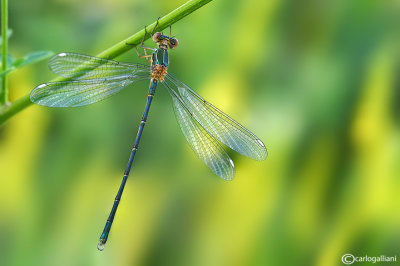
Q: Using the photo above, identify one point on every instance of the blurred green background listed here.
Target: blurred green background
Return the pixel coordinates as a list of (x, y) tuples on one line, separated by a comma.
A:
[(317, 81)]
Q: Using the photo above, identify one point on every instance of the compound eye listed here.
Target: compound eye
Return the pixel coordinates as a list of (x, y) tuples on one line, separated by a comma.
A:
[(156, 36), (173, 43)]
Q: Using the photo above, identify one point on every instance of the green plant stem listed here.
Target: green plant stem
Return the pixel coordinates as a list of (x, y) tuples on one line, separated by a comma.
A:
[(4, 27), (115, 50)]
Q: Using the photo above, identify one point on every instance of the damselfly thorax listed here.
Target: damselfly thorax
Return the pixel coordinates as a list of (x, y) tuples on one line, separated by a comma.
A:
[(159, 58), (159, 72)]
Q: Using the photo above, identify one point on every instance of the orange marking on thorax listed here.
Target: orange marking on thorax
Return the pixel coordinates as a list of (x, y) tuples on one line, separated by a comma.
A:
[(159, 72)]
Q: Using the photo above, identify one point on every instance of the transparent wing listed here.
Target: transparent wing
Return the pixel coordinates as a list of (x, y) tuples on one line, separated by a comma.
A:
[(79, 67), (204, 145), (81, 92), (220, 125)]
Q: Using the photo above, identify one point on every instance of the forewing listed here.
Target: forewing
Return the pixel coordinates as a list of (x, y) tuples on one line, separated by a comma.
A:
[(220, 125), (79, 67), (204, 145), (78, 93)]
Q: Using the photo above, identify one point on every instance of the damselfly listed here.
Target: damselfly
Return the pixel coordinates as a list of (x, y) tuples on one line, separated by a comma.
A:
[(204, 126)]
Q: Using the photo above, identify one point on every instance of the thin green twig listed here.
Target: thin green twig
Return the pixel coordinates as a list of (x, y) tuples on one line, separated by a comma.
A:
[(116, 50), (4, 28)]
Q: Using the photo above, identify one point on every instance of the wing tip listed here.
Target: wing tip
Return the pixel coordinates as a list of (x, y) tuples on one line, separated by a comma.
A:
[(264, 156), (34, 92), (229, 174), (63, 54), (228, 178)]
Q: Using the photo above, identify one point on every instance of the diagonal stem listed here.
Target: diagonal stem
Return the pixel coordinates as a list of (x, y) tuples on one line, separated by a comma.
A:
[(114, 51)]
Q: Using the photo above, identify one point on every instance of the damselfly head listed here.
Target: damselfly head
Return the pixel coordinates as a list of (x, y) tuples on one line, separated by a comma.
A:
[(156, 36), (173, 43), (164, 40)]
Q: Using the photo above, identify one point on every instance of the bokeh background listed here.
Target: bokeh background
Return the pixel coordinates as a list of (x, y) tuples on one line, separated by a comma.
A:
[(317, 81)]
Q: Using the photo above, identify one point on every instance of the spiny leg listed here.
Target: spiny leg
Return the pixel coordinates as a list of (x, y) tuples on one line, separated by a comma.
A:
[(152, 31), (145, 33), (151, 34), (142, 43), (146, 56), (145, 48)]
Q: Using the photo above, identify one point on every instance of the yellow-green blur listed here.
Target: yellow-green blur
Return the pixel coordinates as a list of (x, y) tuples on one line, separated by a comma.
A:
[(317, 81)]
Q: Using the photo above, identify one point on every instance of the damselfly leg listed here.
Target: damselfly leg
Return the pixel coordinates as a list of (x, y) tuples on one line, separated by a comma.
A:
[(145, 48)]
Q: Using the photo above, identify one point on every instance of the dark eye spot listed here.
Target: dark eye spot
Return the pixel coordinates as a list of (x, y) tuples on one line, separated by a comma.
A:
[(157, 36), (173, 43)]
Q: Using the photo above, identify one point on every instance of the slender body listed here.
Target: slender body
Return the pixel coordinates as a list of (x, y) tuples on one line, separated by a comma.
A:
[(159, 70), (107, 228), (91, 79)]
